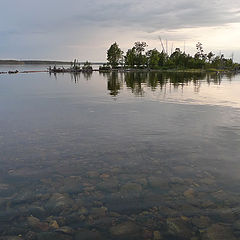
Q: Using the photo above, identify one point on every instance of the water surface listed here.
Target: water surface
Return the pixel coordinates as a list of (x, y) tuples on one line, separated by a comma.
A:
[(120, 156)]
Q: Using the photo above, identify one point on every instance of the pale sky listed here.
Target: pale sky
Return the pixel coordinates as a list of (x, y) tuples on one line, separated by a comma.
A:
[(68, 29)]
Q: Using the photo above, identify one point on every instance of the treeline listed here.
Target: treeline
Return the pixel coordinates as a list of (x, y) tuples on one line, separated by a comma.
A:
[(138, 58)]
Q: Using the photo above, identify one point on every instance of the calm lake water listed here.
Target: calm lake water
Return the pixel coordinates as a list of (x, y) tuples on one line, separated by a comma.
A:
[(120, 156)]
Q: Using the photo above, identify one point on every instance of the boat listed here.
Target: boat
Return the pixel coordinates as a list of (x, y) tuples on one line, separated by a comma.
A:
[(12, 72)]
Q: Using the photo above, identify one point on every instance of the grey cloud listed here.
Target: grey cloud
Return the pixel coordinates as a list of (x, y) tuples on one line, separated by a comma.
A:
[(56, 24), (148, 16), (154, 15)]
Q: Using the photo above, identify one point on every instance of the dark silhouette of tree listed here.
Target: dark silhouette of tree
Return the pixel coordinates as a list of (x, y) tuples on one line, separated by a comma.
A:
[(153, 59), (141, 59), (114, 55), (130, 58), (210, 56)]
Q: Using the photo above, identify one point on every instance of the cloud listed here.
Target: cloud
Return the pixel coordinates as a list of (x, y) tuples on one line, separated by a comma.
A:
[(154, 15), (46, 29)]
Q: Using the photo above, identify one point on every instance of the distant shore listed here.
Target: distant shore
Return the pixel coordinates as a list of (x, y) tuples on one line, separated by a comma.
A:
[(40, 62)]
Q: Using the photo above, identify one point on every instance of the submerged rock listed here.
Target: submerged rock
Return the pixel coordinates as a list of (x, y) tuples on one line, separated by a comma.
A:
[(3, 186), (99, 212), (65, 229), (92, 174), (220, 232), (236, 225), (37, 224), (201, 222), (147, 234), (71, 184), (158, 183), (176, 180), (82, 211), (157, 235), (178, 228), (24, 197), (142, 181), (104, 222), (32, 221), (125, 229), (109, 185), (58, 202), (104, 176), (37, 211), (226, 215), (207, 181), (131, 190), (189, 193), (53, 224), (8, 215), (88, 235), (52, 236), (30, 236)]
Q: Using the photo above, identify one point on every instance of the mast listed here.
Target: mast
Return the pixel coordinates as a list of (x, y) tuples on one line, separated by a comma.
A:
[(163, 49), (167, 46), (172, 48)]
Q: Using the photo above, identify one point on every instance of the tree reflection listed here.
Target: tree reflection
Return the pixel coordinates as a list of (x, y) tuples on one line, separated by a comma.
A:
[(139, 82), (114, 82), (134, 81), (75, 76)]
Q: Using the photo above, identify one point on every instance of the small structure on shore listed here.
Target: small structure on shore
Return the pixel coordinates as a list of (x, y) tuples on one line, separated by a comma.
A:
[(75, 68), (87, 67), (13, 72), (63, 70), (105, 68)]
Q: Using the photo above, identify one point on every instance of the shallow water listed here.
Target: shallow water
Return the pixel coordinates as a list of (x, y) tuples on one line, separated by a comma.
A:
[(120, 156)]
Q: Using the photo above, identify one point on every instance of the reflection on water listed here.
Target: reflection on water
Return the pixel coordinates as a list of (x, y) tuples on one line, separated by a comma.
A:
[(177, 87), (74, 76), (136, 81), (77, 165)]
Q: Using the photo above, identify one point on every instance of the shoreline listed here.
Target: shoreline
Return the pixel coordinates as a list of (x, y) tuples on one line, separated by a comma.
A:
[(217, 71)]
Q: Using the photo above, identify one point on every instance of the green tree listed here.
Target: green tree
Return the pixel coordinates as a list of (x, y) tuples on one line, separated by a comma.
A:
[(140, 47), (200, 53), (130, 58), (141, 59), (176, 57), (162, 59), (153, 57), (210, 56), (114, 55)]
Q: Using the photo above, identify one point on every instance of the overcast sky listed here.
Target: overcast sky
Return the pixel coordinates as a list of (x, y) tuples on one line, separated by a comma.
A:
[(67, 29)]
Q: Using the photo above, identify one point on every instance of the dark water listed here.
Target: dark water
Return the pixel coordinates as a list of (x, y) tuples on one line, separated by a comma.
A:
[(120, 156)]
